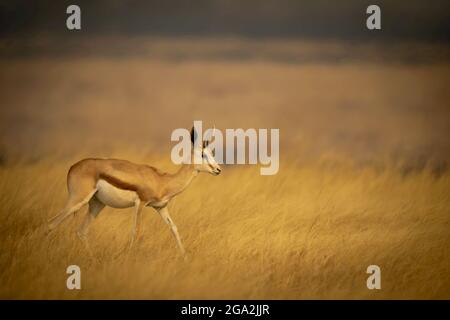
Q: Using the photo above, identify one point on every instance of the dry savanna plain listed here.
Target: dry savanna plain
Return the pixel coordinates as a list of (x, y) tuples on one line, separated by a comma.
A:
[(363, 179)]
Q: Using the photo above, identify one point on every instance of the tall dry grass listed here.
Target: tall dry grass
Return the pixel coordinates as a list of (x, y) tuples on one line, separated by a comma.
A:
[(308, 232)]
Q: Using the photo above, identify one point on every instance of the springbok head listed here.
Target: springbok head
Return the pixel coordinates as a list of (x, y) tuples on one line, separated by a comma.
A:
[(202, 155)]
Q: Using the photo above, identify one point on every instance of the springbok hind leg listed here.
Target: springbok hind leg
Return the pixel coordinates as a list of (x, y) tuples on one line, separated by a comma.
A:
[(95, 207), (73, 205)]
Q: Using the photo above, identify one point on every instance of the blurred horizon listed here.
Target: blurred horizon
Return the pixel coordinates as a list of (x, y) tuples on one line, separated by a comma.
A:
[(320, 19)]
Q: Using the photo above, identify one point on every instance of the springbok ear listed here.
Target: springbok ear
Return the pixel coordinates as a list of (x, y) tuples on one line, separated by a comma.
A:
[(193, 135), (207, 142)]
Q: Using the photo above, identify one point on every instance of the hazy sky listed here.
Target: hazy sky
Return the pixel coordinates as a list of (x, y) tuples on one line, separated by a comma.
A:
[(344, 19)]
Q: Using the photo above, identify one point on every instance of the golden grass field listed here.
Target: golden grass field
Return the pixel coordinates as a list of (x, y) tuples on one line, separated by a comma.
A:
[(363, 178)]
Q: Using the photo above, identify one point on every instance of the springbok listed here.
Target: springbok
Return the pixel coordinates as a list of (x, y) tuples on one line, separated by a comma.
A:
[(123, 184)]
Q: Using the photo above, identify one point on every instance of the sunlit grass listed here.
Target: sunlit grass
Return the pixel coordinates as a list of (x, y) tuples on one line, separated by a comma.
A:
[(308, 232)]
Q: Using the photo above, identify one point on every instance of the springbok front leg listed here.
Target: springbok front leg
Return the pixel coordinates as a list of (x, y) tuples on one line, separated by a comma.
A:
[(165, 216), (137, 222)]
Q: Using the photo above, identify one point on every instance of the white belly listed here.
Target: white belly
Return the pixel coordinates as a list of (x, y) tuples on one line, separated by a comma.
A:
[(115, 197)]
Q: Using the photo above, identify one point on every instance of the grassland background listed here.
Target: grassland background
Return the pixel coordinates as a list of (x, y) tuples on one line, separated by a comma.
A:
[(363, 169)]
